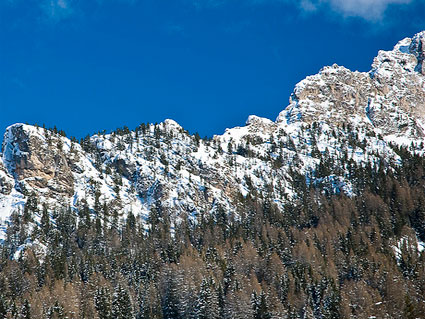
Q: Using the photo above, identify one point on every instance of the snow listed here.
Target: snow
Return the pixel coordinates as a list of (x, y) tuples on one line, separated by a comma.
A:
[(39, 249), (8, 204), (421, 246), (191, 177), (253, 119), (408, 242), (171, 124)]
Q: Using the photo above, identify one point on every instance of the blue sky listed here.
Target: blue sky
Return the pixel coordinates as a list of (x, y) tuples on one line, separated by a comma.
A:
[(90, 65)]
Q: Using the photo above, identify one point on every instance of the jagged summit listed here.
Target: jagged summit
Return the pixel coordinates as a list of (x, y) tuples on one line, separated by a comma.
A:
[(389, 98), (408, 54), (336, 113)]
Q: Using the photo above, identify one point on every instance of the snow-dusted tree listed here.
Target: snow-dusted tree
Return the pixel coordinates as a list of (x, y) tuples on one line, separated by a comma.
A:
[(220, 301), (259, 306), (55, 312), (102, 303), (59, 311), (207, 303), (283, 288), (170, 302), (149, 303), (45, 223), (25, 312), (331, 307), (237, 305), (121, 304), (3, 306)]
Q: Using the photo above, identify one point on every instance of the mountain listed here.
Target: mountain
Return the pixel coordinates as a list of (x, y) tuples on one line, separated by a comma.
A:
[(318, 214), (335, 113)]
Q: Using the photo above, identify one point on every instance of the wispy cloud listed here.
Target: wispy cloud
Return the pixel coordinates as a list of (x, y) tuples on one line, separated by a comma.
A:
[(371, 10), (57, 10)]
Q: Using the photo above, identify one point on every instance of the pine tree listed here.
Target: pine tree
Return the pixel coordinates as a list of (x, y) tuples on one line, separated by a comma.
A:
[(45, 222), (3, 306), (206, 304), (13, 310), (170, 302), (331, 305), (102, 303), (25, 310), (221, 302), (254, 303), (284, 288), (59, 311), (121, 304), (259, 306)]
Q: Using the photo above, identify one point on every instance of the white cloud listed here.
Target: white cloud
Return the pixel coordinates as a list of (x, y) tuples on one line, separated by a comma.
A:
[(371, 10), (367, 9)]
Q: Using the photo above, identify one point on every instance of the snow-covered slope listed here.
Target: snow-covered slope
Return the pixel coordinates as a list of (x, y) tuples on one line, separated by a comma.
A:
[(334, 114)]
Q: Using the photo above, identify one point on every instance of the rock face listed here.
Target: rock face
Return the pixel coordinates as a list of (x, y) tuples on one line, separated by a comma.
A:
[(6, 182), (328, 96), (391, 96), (417, 48), (37, 160), (336, 113)]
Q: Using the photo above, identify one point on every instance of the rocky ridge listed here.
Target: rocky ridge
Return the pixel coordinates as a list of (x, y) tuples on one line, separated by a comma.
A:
[(334, 114)]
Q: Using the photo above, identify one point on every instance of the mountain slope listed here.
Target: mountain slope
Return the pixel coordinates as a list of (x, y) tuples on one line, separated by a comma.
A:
[(334, 114), (316, 215)]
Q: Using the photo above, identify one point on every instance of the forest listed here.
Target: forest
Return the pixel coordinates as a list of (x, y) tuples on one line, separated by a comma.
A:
[(325, 255)]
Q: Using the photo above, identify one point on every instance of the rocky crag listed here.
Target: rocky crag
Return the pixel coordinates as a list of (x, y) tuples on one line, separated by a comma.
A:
[(335, 114)]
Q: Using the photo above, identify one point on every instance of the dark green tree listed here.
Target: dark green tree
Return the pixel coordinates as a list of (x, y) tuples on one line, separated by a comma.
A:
[(25, 310), (102, 303), (121, 304)]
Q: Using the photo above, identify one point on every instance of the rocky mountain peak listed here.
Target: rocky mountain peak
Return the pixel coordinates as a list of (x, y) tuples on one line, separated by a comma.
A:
[(390, 98), (406, 57), (417, 48), (163, 166)]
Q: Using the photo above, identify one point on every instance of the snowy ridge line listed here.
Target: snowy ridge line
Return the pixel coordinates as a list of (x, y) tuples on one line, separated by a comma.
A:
[(334, 115)]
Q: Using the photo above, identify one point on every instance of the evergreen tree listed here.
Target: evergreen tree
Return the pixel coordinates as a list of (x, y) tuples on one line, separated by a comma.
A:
[(206, 304), (3, 306), (102, 303), (13, 310), (331, 309), (45, 222), (259, 306), (25, 310), (121, 304), (170, 302)]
